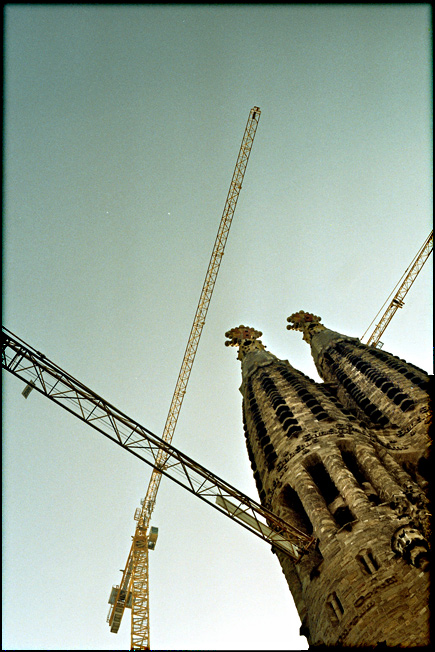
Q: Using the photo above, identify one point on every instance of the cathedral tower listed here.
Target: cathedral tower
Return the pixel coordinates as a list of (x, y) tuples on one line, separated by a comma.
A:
[(346, 462)]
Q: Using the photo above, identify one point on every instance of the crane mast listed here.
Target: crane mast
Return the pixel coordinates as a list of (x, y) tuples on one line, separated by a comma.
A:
[(397, 301), (135, 574)]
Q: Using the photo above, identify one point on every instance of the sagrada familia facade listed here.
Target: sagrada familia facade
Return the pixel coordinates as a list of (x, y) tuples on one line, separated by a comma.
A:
[(345, 461)]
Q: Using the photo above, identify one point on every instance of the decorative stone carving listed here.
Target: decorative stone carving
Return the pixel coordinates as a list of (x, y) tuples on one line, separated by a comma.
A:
[(305, 322)]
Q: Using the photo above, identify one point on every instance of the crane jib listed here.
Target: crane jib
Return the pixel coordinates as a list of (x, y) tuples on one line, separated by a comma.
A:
[(139, 637), (397, 302), (134, 582), (53, 382)]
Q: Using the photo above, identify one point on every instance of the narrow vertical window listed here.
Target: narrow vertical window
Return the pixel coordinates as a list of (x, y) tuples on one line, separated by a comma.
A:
[(297, 513), (335, 606), (373, 561), (368, 562)]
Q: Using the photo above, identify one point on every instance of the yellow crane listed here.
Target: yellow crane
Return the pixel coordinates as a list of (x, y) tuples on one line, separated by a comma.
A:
[(397, 302), (133, 590), (41, 374)]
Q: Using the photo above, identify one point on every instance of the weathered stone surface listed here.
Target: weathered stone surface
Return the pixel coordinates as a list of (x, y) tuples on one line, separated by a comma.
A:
[(344, 460)]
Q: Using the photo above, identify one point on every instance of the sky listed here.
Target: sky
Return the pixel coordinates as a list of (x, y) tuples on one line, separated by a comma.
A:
[(122, 126)]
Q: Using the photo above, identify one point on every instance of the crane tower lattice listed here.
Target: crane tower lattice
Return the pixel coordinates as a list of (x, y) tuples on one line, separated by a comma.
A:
[(134, 590), (397, 302)]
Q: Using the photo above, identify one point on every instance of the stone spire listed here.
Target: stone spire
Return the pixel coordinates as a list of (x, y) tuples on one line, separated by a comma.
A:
[(246, 338), (305, 322), (383, 389), (252, 352), (317, 335), (345, 462)]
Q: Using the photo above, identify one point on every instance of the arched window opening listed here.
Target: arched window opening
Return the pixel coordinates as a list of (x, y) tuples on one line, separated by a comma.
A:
[(337, 506), (368, 562), (335, 607), (341, 512), (297, 514), (324, 483), (352, 465), (358, 473)]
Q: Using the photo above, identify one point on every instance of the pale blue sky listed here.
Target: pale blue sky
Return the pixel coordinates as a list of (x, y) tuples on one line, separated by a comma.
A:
[(122, 128)]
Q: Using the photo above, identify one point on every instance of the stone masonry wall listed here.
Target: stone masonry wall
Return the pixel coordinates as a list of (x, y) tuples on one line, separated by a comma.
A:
[(320, 463)]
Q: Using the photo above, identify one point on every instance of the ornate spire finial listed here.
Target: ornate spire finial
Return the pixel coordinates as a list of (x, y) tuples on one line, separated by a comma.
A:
[(305, 322), (246, 338)]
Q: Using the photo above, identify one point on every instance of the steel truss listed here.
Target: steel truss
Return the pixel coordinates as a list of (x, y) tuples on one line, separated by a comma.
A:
[(397, 301), (140, 629), (38, 372)]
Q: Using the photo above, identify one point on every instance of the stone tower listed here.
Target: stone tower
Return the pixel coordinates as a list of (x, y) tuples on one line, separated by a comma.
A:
[(345, 461)]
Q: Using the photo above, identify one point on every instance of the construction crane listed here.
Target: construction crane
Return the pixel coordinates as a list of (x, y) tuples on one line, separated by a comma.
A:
[(397, 302), (133, 590), (41, 374)]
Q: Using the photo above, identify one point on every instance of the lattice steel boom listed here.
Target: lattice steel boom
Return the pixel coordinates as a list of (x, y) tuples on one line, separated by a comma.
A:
[(397, 301), (136, 568), (44, 376)]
